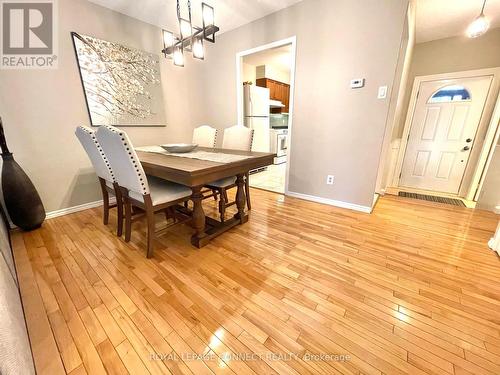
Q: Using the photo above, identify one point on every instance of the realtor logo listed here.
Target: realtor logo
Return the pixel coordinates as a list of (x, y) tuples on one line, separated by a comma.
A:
[(28, 34)]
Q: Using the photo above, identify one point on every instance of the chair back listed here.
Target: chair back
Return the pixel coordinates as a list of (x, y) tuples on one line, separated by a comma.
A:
[(126, 166), (205, 136), (87, 138), (238, 137)]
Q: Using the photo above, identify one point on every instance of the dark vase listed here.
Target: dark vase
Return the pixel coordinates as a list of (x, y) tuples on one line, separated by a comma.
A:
[(22, 201)]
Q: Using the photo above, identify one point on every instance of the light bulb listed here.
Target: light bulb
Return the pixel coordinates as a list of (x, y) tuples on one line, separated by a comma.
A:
[(198, 51), (478, 27), (208, 14), (186, 30), (178, 57), (168, 38)]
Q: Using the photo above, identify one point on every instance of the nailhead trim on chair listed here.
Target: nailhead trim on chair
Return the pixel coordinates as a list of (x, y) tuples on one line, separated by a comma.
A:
[(94, 139), (251, 139), (215, 138), (140, 173)]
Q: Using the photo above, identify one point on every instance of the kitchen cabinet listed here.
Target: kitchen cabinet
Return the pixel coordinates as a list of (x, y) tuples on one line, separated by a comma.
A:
[(277, 91)]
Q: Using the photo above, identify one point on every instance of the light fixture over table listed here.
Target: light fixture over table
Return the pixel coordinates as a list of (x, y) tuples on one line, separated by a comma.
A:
[(191, 37), (479, 26)]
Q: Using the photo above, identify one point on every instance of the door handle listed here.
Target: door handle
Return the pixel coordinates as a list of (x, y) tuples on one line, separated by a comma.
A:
[(466, 148), (468, 140)]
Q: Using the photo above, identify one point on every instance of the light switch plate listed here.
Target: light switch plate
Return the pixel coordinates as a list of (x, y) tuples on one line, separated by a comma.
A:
[(382, 92)]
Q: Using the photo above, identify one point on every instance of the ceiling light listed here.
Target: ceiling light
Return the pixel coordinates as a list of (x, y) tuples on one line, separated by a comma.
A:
[(208, 14), (186, 28), (178, 56), (191, 37), (479, 26), (198, 50), (168, 39)]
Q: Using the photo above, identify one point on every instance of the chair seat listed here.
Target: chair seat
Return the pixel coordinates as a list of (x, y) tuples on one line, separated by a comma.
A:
[(223, 182), (162, 191)]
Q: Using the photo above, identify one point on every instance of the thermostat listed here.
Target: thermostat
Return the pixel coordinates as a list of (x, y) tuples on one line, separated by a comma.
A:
[(356, 83)]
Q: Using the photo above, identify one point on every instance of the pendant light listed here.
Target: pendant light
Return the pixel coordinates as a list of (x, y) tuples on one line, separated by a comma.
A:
[(190, 37), (479, 26)]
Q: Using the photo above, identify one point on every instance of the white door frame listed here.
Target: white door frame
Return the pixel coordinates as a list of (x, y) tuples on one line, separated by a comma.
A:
[(239, 92), (491, 137)]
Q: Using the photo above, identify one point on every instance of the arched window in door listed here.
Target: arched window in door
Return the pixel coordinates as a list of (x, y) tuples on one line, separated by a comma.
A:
[(452, 93)]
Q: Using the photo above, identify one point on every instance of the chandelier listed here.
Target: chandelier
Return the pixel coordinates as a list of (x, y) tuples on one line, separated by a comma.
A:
[(191, 37)]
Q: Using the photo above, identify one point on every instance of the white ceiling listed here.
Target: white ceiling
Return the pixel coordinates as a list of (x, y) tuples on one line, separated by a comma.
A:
[(279, 58), (437, 19), (229, 14)]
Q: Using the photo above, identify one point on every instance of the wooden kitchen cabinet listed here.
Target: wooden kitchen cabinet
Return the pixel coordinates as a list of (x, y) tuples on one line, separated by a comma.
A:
[(277, 91)]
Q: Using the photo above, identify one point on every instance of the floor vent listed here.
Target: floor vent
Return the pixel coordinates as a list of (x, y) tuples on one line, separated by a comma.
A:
[(431, 198)]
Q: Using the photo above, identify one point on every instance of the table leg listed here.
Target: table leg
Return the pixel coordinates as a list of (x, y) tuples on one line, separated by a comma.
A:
[(198, 217), (240, 198)]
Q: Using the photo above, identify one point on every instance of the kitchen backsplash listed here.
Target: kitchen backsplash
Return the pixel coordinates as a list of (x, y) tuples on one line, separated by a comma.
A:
[(278, 120)]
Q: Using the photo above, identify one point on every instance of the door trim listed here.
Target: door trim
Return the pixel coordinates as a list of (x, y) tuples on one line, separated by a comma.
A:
[(491, 136)]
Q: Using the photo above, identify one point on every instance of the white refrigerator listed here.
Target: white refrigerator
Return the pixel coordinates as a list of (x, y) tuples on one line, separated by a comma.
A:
[(256, 116)]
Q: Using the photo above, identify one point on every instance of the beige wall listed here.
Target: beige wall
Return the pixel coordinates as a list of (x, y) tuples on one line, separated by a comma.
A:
[(248, 73), (452, 55), (41, 109), (273, 72), (396, 107), (336, 130)]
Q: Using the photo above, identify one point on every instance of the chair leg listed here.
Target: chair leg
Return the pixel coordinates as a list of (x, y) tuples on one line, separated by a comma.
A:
[(105, 201), (151, 226), (119, 211), (174, 214), (247, 190), (222, 205), (128, 220)]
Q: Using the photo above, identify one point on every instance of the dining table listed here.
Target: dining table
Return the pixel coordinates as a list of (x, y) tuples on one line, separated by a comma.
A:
[(199, 168)]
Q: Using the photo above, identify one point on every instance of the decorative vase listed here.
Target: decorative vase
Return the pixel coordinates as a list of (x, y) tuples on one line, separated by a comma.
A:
[(22, 201)]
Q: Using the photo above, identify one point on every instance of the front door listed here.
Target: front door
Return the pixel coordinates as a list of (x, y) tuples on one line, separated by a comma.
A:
[(444, 125)]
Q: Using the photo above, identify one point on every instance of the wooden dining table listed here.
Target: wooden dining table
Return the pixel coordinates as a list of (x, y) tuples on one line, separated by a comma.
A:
[(196, 173)]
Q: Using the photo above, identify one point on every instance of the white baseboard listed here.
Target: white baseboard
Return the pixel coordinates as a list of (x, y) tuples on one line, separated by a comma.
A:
[(81, 207), (331, 202)]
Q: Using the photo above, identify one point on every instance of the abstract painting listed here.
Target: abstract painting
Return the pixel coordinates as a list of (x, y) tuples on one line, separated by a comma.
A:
[(122, 85)]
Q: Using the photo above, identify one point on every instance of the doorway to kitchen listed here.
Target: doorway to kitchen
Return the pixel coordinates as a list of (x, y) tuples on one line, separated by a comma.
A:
[(265, 86)]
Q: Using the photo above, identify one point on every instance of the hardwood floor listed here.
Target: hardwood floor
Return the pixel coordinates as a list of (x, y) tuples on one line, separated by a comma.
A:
[(409, 289)]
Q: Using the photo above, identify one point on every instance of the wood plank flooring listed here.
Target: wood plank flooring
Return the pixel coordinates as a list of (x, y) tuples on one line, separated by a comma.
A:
[(302, 288)]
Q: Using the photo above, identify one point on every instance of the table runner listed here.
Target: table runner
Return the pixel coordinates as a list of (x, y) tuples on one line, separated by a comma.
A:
[(218, 157)]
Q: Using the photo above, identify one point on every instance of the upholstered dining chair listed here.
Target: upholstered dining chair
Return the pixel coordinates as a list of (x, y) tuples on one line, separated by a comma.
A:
[(240, 138), (205, 136), (102, 168), (147, 193)]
